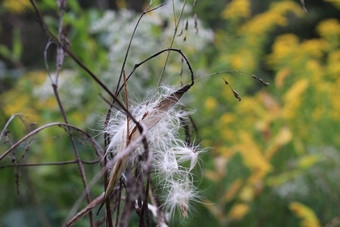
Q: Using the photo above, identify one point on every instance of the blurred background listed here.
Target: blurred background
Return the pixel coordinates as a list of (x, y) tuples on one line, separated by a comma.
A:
[(273, 157)]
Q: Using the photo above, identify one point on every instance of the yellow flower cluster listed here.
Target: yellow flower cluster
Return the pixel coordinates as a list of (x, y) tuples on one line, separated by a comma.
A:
[(19, 100), (307, 215), (16, 6), (304, 96), (238, 211), (210, 104), (334, 2), (253, 157), (335, 100), (329, 28), (243, 60), (271, 18), (284, 47), (292, 98), (333, 66), (237, 9)]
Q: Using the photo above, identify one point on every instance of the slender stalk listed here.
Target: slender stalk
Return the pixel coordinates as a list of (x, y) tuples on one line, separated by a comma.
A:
[(95, 145), (172, 42), (49, 164), (155, 55), (7, 123), (80, 164), (132, 146), (147, 10)]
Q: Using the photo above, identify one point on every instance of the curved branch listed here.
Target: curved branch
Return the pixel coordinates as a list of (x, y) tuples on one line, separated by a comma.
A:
[(155, 55), (147, 10), (49, 164), (95, 145), (7, 123)]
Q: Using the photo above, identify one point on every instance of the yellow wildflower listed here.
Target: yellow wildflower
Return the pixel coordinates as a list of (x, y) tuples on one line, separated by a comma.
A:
[(227, 134), (210, 103), (309, 219), (334, 2), (329, 28), (233, 190), (237, 9), (285, 46), (15, 6), (335, 101), (247, 193), (227, 118), (292, 98), (243, 60), (253, 157), (316, 72), (296, 90), (238, 211), (314, 47), (281, 76), (334, 64), (271, 18), (283, 137)]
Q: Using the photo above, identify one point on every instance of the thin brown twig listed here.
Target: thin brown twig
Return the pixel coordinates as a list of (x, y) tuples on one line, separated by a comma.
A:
[(172, 41), (48, 163), (76, 153), (95, 145), (86, 210), (132, 146), (59, 63), (107, 203), (119, 201), (303, 5), (7, 123), (155, 55), (147, 10)]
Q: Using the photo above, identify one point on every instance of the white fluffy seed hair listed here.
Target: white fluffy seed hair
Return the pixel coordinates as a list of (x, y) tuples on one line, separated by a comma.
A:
[(180, 194), (165, 131), (169, 151)]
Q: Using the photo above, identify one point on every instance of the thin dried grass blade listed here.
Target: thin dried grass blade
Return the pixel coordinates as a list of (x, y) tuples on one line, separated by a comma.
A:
[(196, 23), (303, 5), (86, 210), (260, 80), (236, 95)]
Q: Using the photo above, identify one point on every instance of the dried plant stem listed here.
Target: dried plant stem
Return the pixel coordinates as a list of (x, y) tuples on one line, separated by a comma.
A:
[(37, 206), (95, 145), (107, 203), (119, 201), (303, 5), (86, 210), (127, 107), (80, 164), (132, 146), (147, 10), (172, 42), (49, 164), (7, 123), (155, 55)]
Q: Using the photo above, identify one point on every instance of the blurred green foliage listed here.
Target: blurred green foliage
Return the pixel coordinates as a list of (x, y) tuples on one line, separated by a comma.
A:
[(274, 157)]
